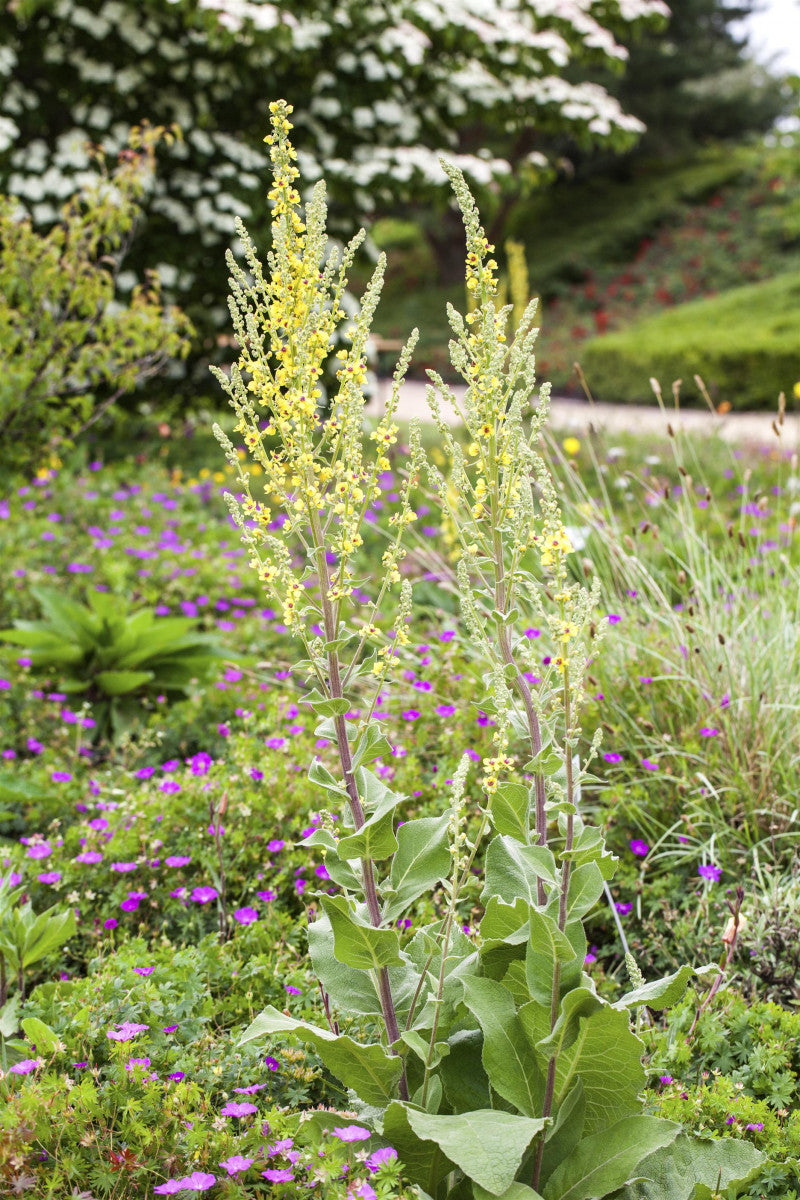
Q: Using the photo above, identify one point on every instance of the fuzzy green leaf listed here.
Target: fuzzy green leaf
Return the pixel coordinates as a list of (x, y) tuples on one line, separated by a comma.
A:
[(577, 1003), (421, 862), (376, 837), (585, 889), (517, 1191), (660, 993), (511, 1063), (336, 707), (423, 1160), (589, 847), (356, 943), (609, 1159), (503, 922), (371, 744), (607, 1057), (486, 1144), (564, 1134), (319, 774), (369, 1070), (509, 806), (513, 870), (674, 1171), (340, 870), (466, 1083), (352, 990)]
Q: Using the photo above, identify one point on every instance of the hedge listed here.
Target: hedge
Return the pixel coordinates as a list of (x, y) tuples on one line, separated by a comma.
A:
[(744, 343)]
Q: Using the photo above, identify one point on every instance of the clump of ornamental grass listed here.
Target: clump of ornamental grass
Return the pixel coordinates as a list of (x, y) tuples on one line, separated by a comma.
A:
[(702, 681)]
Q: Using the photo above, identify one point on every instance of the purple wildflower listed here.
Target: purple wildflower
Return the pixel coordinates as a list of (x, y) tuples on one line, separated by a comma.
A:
[(351, 1133)]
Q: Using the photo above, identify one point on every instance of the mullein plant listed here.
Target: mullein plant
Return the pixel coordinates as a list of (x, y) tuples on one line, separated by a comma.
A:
[(489, 1063)]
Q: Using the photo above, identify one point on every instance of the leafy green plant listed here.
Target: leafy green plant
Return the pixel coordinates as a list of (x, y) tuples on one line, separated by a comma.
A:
[(68, 349), (27, 937), (112, 657), (491, 1065)]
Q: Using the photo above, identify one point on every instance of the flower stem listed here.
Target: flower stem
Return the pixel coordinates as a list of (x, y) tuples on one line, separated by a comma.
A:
[(336, 692)]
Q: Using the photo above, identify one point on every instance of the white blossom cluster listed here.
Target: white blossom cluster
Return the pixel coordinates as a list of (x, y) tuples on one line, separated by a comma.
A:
[(380, 93)]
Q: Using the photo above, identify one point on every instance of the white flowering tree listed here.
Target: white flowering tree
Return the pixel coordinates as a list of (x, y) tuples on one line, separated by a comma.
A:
[(380, 90)]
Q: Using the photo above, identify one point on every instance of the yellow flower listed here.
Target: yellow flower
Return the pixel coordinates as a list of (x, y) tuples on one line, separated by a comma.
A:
[(796, 390), (571, 445)]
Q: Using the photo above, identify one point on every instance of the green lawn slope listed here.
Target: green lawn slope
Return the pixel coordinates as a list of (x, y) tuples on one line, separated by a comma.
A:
[(744, 343)]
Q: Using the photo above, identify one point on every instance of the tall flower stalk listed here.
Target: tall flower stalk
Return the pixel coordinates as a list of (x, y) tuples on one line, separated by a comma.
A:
[(493, 1062), (317, 470)]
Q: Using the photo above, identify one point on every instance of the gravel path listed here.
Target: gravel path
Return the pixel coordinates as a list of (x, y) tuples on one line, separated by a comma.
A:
[(575, 416)]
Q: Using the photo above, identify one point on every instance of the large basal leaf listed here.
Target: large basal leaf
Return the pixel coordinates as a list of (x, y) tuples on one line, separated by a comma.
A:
[(661, 993), (421, 862), (564, 1134), (513, 870), (356, 943), (609, 1159), (674, 1171), (463, 1075), (424, 1163), (486, 1144), (517, 1191), (369, 1070), (511, 1063)]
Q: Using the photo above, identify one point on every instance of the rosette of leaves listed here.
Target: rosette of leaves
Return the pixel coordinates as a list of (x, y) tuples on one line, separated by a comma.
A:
[(114, 658)]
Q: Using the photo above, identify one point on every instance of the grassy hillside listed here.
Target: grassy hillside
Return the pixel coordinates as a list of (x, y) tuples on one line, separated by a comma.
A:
[(745, 343)]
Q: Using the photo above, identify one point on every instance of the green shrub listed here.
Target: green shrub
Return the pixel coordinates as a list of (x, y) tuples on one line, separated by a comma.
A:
[(735, 1077), (744, 343), (66, 344)]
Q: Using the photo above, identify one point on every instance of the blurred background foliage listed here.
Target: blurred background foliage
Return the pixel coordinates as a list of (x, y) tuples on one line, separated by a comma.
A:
[(631, 153)]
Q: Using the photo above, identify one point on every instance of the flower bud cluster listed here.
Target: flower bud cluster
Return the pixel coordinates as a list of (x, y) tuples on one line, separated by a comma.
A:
[(313, 475)]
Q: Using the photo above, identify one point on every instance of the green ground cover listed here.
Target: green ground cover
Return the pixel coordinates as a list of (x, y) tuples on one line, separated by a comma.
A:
[(697, 798)]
